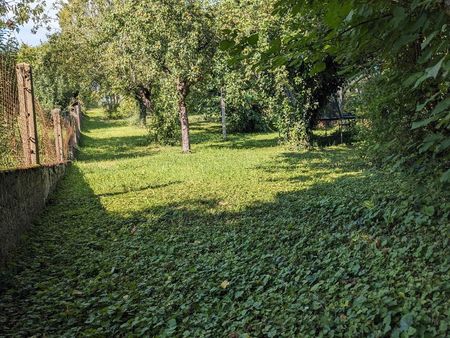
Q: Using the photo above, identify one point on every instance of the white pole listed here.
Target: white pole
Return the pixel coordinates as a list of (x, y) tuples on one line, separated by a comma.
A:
[(222, 108)]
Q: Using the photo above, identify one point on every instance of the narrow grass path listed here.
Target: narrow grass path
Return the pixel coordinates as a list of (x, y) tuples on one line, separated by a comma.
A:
[(238, 238)]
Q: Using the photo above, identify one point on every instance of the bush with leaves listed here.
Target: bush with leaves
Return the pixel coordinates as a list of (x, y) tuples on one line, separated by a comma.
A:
[(297, 88), (54, 84), (126, 107), (401, 47), (163, 123)]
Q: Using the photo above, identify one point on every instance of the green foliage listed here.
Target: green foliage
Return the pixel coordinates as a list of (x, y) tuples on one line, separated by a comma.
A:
[(54, 85), (163, 129), (239, 238), (249, 107), (293, 90), (242, 237), (335, 135), (400, 50), (8, 42), (126, 108), (140, 47), (163, 124), (14, 13), (250, 95)]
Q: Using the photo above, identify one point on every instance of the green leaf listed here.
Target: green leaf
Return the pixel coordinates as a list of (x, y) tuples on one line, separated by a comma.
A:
[(275, 46), (297, 8), (435, 114), (405, 322), (428, 39), (411, 331), (429, 210), (444, 145), (430, 72), (349, 16), (423, 123), (332, 19), (434, 71), (403, 41), (420, 80), (441, 106), (422, 105), (317, 68), (399, 13), (425, 56), (253, 39), (412, 79), (226, 45), (445, 177), (430, 141), (337, 12), (387, 322)]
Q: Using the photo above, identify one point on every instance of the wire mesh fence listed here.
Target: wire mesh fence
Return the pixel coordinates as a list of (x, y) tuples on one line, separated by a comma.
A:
[(46, 136), (10, 140), (29, 134)]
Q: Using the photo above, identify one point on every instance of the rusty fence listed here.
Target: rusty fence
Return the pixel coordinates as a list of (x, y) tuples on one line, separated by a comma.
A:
[(29, 135)]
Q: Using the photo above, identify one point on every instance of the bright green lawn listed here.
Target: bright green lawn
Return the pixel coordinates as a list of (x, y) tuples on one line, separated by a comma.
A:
[(238, 238)]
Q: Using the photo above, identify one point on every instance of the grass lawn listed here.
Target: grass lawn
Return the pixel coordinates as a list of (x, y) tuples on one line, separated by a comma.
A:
[(240, 238)]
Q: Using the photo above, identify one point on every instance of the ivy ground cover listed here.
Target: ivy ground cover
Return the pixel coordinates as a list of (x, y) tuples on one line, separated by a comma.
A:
[(241, 238)]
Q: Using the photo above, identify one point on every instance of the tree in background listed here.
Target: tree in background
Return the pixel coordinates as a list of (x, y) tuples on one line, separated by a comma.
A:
[(291, 90), (185, 33), (164, 55), (54, 84), (14, 13), (399, 53), (279, 64), (138, 48), (83, 42)]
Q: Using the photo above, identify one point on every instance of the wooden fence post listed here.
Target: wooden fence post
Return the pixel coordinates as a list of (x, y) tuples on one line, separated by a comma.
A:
[(56, 114), (78, 118), (80, 115), (27, 116), (73, 123), (71, 137)]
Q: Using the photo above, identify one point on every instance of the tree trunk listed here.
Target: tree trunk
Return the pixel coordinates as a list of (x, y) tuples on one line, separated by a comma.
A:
[(183, 90), (143, 96), (142, 112)]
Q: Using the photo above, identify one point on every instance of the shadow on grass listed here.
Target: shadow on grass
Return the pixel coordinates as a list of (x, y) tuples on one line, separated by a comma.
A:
[(207, 132), (100, 122), (240, 141), (147, 187), (63, 247), (316, 162), (113, 148), (333, 138), (110, 148)]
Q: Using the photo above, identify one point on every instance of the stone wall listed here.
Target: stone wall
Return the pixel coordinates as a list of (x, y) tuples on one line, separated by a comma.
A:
[(23, 193)]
